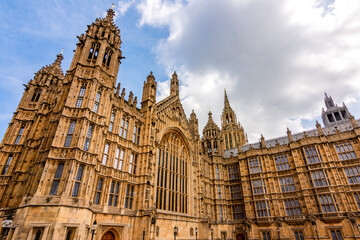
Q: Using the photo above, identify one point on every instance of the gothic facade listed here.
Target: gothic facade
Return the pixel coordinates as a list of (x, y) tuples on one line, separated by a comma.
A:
[(79, 161)]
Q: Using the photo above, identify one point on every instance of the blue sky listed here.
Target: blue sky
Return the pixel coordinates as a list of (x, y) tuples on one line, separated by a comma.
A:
[(275, 58)]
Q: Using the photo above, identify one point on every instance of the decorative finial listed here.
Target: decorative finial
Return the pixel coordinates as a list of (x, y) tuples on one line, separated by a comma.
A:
[(62, 51), (111, 13)]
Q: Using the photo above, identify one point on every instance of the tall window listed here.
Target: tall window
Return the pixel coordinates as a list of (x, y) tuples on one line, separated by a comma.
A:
[(129, 197), (107, 57), (112, 118), (230, 141), (219, 192), (7, 164), (133, 161), (126, 128), (56, 180), (345, 151), (282, 162), (94, 51), (318, 178), (262, 209), (136, 137), (287, 184), (97, 102), (116, 160), (299, 235), (122, 125), (327, 203), (70, 134), (336, 235), (217, 173), (266, 236), (258, 186), (357, 198), (18, 137), (226, 141), (36, 95), (80, 97), (106, 153), (78, 178), (235, 191), (172, 176), (88, 138), (312, 155), (98, 191), (233, 172), (292, 207), (353, 174), (121, 159), (114, 194), (255, 165), (221, 213), (238, 211)]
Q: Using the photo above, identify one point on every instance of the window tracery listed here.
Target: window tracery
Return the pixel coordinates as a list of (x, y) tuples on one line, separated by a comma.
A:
[(172, 178)]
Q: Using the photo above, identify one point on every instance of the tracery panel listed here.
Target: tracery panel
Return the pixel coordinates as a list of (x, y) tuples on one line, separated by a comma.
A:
[(172, 181)]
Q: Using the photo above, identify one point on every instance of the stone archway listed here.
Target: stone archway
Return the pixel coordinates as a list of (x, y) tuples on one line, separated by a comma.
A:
[(108, 236), (240, 236)]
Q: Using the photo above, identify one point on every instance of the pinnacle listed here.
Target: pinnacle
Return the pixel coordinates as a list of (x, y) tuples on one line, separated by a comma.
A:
[(111, 13), (226, 100)]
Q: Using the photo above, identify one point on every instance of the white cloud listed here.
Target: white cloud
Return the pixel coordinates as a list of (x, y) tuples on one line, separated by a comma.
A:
[(276, 58), (124, 6)]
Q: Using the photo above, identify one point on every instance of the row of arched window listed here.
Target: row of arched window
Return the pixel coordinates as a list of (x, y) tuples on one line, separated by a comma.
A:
[(94, 53)]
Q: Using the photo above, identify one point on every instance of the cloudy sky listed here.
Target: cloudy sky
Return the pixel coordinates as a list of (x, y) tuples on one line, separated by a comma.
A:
[(275, 58)]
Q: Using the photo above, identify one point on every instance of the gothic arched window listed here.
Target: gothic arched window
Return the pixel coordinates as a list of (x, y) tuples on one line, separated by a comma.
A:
[(107, 57), (172, 178), (94, 51), (36, 95)]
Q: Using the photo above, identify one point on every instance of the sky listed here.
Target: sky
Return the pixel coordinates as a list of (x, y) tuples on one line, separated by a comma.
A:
[(276, 59)]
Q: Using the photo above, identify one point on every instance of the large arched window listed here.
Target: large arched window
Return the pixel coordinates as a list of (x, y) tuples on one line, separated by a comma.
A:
[(172, 181)]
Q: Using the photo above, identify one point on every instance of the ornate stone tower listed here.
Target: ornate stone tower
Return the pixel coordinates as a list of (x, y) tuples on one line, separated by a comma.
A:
[(29, 136), (232, 132), (212, 142), (334, 114)]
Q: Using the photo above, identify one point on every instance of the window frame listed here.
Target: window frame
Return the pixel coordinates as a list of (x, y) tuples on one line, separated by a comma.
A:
[(7, 164), (70, 133), (57, 179), (345, 151)]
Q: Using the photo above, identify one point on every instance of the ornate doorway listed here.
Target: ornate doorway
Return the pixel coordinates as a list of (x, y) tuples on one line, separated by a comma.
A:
[(240, 236), (108, 236)]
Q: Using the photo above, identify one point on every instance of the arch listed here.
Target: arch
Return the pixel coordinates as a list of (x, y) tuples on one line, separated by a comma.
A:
[(168, 130), (111, 234), (108, 236), (240, 236), (173, 164)]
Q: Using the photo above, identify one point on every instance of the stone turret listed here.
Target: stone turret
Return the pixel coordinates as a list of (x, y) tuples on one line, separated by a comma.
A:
[(334, 114), (211, 137), (232, 131)]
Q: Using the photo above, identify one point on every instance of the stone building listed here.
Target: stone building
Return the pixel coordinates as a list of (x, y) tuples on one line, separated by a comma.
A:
[(79, 161)]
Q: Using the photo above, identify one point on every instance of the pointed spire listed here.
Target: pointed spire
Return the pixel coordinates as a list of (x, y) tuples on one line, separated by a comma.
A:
[(111, 13), (118, 89), (174, 85), (262, 142), (288, 132), (58, 60), (54, 68), (211, 125), (226, 100), (319, 129)]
